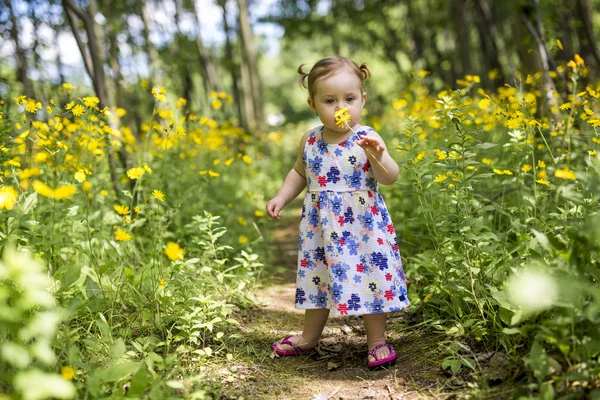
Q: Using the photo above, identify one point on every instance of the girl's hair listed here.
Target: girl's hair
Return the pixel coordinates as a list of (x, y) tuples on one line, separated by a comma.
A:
[(327, 66)]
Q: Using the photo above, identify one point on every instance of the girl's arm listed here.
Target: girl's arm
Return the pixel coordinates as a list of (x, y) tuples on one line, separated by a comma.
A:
[(293, 185), (377, 149)]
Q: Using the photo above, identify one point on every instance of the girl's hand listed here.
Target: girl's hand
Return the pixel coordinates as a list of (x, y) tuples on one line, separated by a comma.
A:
[(275, 205), (374, 145)]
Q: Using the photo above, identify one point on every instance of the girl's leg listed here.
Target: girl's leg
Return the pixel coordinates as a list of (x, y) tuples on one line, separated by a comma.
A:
[(314, 322), (375, 326)]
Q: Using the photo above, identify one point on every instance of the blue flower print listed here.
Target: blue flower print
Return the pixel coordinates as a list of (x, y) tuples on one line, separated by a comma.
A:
[(357, 278), (352, 246), (379, 260), (334, 236), (322, 146), (316, 164), (336, 292), (336, 205), (333, 175), (361, 200), (320, 254), (385, 216), (310, 234), (301, 273), (372, 286), (339, 271), (349, 216), (371, 183), (313, 217), (352, 160), (300, 296), (338, 152), (354, 180), (367, 220), (376, 306), (353, 303), (321, 299), (403, 293), (316, 280)]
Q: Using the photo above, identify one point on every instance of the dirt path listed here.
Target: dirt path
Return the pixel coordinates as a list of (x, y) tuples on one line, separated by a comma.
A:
[(340, 370)]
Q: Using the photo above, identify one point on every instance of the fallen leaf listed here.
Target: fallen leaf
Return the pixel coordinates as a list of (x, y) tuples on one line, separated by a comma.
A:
[(331, 366)]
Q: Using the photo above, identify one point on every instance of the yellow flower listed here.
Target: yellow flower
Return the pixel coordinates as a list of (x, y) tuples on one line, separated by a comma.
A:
[(419, 157), (513, 123), (122, 210), (246, 159), (484, 103), (426, 300), (441, 155), (507, 172), (499, 172), (21, 99), (67, 372), (578, 59), (174, 251), (147, 168), (241, 221), (592, 152), (541, 164), (64, 192), (69, 105), (229, 161), (122, 236), (422, 73), (159, 94), (91, 101), (158, 195), (526, 168), (78, 110), (162, 283), (342, 117), (213, 174), (135, 173), (243, 239), (259, 213), (565, 173), (181, 102), (80, 176), (566, 106), (32, 106), (217, 104), (86, 186), (49, 110), (8, 197), (103, 192), (486, 161), (542, 182), (440, 178)]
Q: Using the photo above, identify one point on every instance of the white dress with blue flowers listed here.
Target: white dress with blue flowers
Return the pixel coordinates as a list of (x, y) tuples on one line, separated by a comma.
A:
[(348, 257)]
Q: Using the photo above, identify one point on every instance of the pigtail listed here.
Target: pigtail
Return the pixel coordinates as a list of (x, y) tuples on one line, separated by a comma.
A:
[(364, 70), (303, 76)]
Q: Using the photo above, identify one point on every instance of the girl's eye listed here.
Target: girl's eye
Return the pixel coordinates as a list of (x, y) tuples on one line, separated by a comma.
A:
[(350, 99), (329, 101)]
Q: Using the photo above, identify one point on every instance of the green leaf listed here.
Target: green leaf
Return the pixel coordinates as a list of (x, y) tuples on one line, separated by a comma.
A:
[(117, 349), (454, 364), (119, 371), (543, 240)]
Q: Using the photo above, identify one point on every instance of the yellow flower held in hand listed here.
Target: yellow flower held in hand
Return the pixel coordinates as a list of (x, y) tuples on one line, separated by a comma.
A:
[(342, 117)]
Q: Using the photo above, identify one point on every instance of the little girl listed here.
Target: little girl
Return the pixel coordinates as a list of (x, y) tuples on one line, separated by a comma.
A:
[(348, 260)]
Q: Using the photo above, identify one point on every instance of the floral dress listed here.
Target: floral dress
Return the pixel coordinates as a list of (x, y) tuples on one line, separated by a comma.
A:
[(348, 257)]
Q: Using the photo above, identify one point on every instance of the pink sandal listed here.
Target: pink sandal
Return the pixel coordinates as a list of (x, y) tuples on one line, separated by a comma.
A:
[(386, 361), (296, 351)]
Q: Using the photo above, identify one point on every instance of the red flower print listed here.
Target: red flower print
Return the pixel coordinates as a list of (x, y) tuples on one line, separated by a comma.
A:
[(322, 181), (390, 228), (342, 143), (370, 194), (375, 210), (343, 309), (342, 242), (366, 166), (304, 263), (360, 267), (341, 220), (388, 277), (380, 241), (396, 247), (312, 140), (389, 294)]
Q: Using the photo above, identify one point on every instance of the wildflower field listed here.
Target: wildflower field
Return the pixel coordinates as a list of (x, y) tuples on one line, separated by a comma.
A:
[(125, 281)]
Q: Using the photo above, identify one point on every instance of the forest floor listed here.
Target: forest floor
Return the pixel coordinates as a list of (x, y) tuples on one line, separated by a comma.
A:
[(339, 370)]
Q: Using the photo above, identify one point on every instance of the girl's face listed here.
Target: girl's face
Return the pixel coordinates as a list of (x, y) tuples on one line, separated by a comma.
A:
[(335, 92)]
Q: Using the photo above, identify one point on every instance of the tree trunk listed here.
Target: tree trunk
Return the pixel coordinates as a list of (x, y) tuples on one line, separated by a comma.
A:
[(586, 35), (461, 29), (250, 60), (113, 52), (488, 35), (549, 87), (206, 63), (233, 68), (148, 45), (19, 53)]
